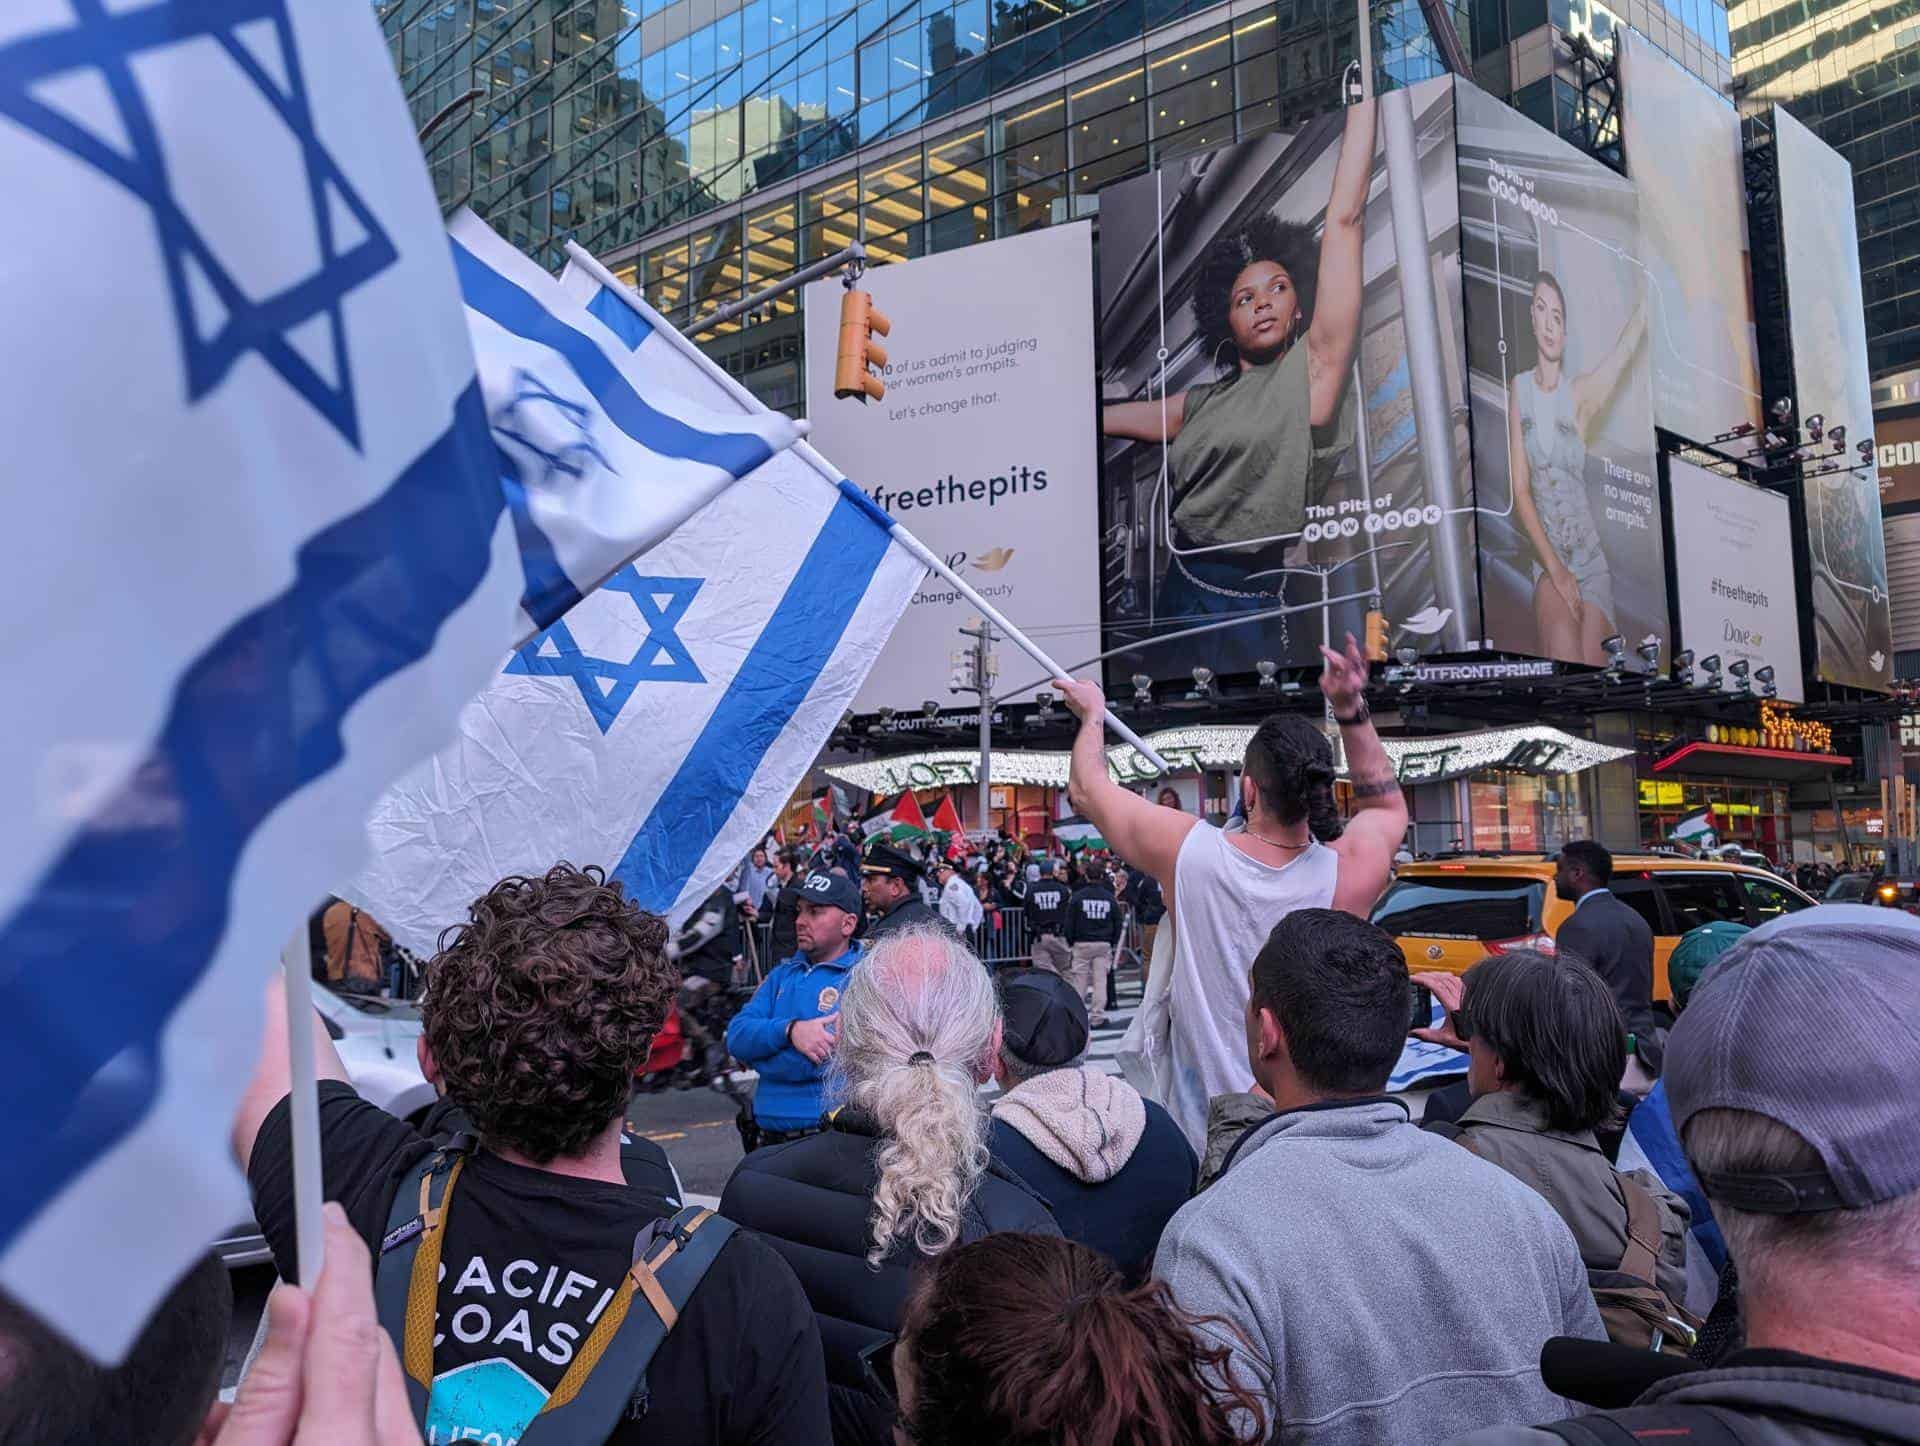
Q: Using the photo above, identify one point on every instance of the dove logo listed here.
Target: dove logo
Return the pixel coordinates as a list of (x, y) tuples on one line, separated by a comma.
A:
[(1428, 621), (1876, 660), (993, 559)]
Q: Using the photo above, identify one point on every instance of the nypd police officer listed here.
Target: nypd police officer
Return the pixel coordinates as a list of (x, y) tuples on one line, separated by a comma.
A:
[(890, 881), (786, 1031)]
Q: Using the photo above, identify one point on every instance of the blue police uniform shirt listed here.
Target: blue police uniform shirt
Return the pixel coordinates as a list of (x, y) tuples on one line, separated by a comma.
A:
[(792, 1088)]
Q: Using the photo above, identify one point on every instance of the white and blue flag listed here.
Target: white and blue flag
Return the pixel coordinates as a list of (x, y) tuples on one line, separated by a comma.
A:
[(662, 724), (599, 455), (257, 557)]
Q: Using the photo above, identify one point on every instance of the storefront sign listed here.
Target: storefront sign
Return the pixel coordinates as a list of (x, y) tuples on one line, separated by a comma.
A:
[(1499, 672), (1222, 748)]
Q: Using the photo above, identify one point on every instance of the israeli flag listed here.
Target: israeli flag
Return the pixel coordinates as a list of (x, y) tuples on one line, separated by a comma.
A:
[(1423, 1063), (658, 728), (257, 558), (601, 458)]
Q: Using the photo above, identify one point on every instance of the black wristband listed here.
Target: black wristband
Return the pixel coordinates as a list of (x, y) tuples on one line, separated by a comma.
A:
[(1360, 715)]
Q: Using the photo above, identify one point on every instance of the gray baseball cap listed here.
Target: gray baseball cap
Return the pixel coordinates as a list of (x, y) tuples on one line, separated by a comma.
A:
[(1812, 1020)]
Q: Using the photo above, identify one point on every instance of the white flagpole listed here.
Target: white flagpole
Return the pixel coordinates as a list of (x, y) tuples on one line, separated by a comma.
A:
[(591, 265), (296, 959)]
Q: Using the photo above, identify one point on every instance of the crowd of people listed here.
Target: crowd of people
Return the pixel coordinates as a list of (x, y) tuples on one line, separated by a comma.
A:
[(1625, 1225)]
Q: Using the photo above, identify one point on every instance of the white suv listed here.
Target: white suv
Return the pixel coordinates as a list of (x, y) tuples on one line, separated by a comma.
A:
[(377, 1042)]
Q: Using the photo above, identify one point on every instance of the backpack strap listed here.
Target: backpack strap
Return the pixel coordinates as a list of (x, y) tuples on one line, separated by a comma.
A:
[(406, 1283), (607, 1380), (1641, 1258)]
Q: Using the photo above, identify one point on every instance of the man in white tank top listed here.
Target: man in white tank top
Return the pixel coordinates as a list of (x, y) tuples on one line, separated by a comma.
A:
[(1225, 892)]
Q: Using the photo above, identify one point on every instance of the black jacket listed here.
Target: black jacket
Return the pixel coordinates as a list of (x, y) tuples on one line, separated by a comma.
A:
[(1047, 907), (786, 913), (1093, 916), (909, 914), (811, 1200), (1615, 940)]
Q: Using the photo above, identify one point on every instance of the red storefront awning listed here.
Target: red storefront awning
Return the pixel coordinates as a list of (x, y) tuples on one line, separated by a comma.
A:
[(1730, 760)]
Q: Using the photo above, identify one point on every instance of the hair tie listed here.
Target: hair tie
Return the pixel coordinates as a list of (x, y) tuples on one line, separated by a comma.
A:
[(920, 1056)]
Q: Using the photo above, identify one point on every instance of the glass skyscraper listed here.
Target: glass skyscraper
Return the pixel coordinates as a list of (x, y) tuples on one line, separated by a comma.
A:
[(704, 148), (1851, 72)]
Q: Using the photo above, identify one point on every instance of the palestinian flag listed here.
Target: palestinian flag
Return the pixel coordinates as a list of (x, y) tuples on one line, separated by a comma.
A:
[(906, 821), (946, 818), (823, 812), (1076, 832), (1696, 830)]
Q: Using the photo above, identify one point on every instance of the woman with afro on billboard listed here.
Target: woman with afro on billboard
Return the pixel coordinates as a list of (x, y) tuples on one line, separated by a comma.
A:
[(1247, 452), (1551, 416)]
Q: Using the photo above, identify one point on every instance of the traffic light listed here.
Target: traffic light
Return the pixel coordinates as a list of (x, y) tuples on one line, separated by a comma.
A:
[(1376, 637), (860, 322)]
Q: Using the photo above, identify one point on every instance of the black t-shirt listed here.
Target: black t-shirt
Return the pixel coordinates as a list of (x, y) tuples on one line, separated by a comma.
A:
[(1093, 916), (530, 1260), (1046, 903)]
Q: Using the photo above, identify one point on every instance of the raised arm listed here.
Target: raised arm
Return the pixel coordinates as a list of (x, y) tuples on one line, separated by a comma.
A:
[(1336, 307), (1378, 818), (1592, 389), (1146, 835), (1145, 421), (271, 1075)]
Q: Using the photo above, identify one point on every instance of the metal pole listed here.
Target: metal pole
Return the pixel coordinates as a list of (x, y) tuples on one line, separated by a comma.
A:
[(303, 1102), (983, 680), (854, 254), (1364, 15), (449, 110), (1420, 313)]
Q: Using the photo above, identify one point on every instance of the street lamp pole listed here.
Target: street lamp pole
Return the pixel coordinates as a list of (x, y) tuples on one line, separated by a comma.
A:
[(984, 667)]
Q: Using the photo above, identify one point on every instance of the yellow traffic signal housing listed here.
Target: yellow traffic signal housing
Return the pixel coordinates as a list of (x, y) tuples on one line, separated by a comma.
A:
[(1376, 637), (860, 322)]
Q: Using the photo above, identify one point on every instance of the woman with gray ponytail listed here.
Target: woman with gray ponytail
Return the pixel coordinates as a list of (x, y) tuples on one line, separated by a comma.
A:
[(901, 1173)]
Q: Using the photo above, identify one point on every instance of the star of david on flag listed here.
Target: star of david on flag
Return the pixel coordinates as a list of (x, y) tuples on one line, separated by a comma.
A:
[(268, 512), (605, 684), (76, 87)]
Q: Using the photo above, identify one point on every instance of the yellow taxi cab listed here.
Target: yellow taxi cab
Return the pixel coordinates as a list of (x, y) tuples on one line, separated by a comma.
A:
[(1450, 913)]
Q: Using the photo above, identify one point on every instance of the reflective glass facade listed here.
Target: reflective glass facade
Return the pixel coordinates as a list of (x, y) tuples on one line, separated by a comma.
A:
[(1851, 71)]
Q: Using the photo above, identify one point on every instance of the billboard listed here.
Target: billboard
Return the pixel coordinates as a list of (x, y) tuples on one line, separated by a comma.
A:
[(1732, 579), (1683, 152), (1853, 632), (1571, 550), (982, 445), (1281, 377)]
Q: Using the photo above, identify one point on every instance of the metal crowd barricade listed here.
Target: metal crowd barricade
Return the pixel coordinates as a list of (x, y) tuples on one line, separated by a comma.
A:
[(1004, 938)]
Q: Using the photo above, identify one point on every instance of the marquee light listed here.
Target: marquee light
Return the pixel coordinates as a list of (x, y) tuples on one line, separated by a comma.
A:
[(1535, 749)]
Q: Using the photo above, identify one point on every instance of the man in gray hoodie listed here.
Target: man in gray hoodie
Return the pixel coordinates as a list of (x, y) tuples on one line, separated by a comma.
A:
[(1375, 1288)]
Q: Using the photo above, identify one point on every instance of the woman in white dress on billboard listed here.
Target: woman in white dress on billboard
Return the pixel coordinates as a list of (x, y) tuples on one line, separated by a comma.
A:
[(1550, 419)]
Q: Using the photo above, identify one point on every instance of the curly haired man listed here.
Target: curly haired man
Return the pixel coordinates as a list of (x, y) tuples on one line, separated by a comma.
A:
[(537, 1010)]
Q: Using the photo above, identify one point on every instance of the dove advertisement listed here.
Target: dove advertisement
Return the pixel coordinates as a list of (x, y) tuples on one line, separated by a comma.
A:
[(982, 446), (1731, 579), (1567, 503), (1282, 369), (1852, 626)]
